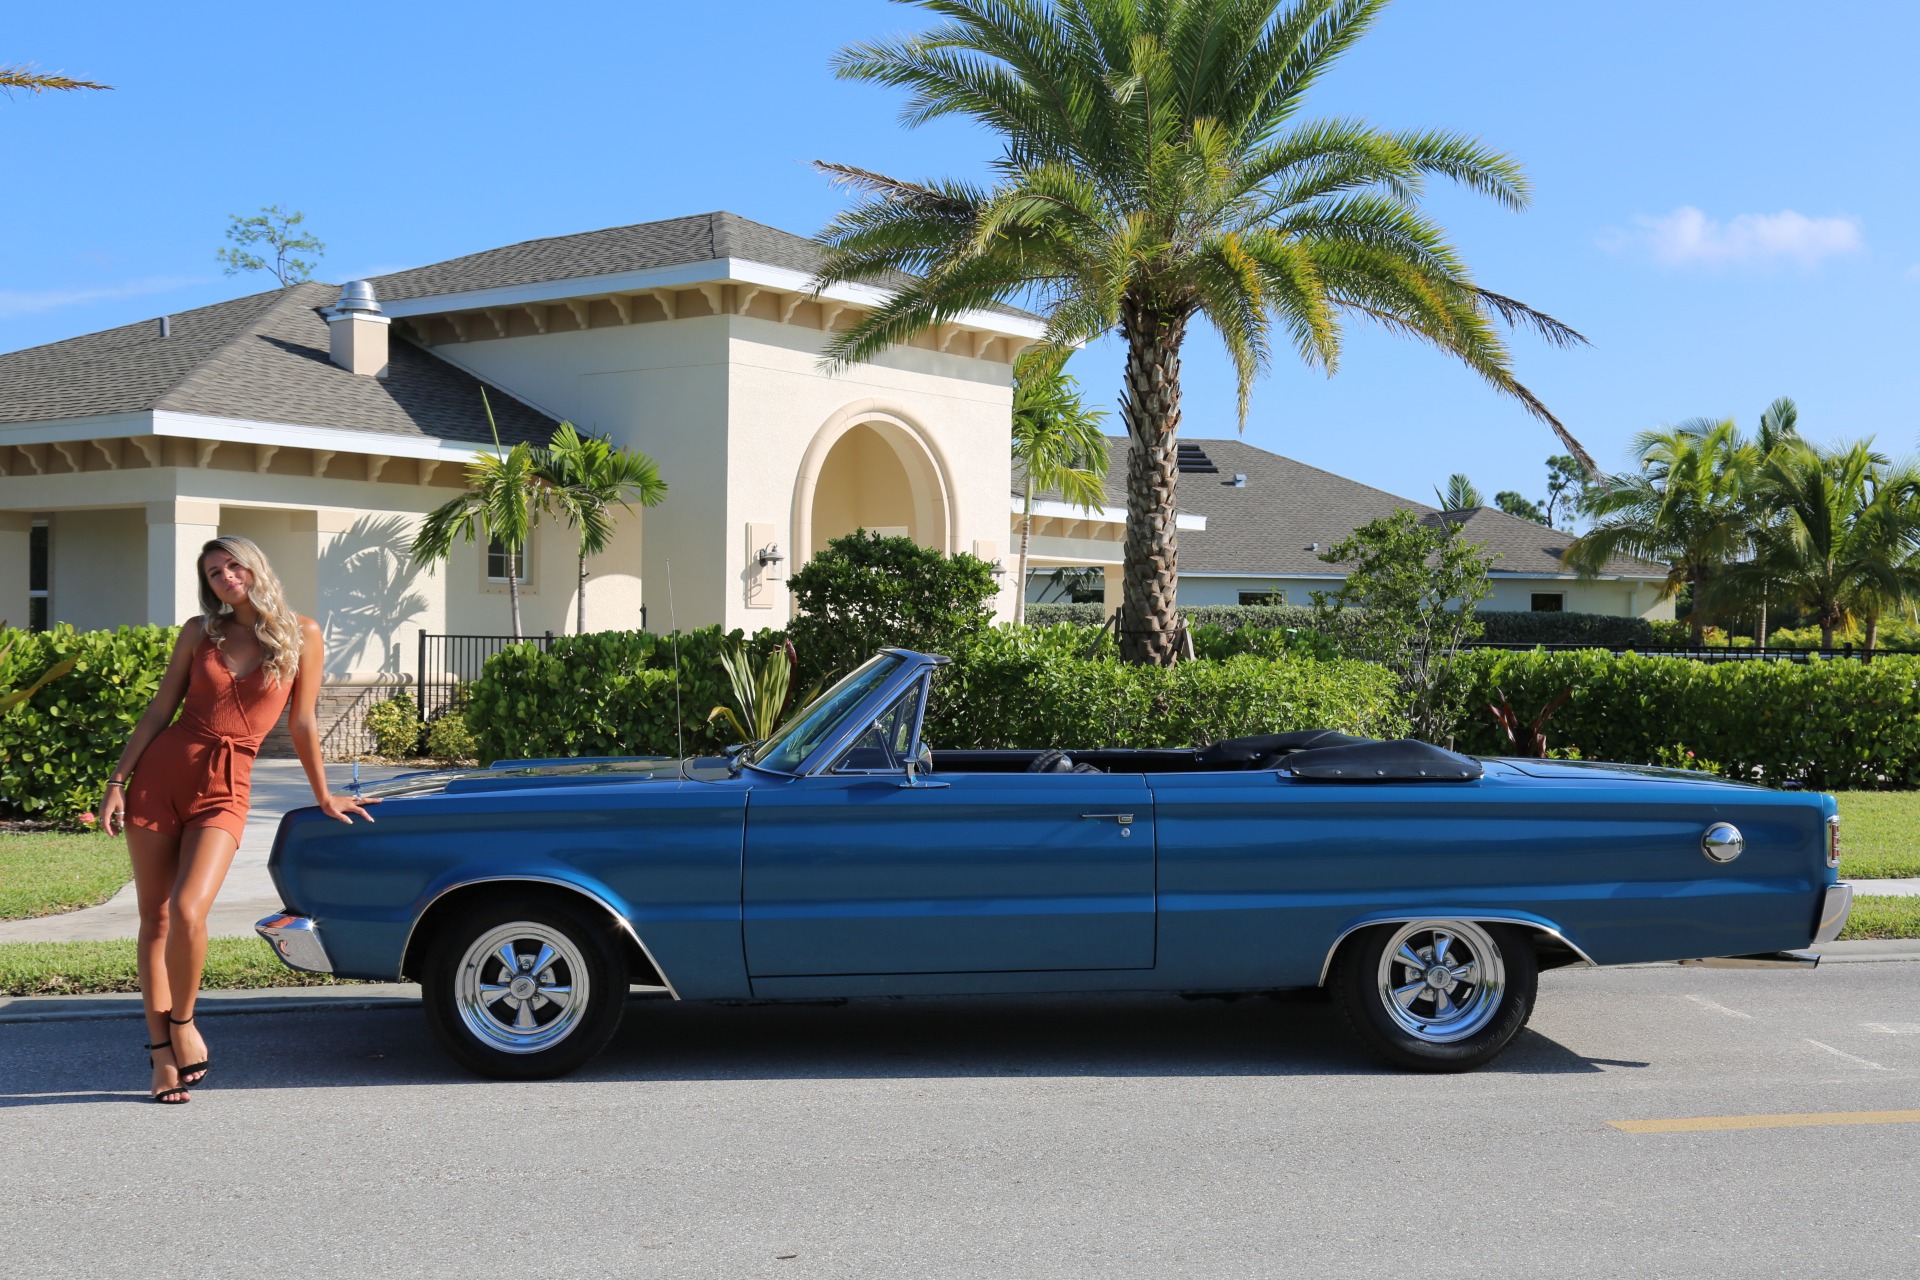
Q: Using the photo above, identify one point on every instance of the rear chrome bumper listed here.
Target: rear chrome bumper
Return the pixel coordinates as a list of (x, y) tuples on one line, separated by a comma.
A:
[(1834, 911), (296, 940), (1765, 960)]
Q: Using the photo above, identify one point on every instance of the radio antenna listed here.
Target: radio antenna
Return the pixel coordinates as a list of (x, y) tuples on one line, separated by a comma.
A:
[(673, 639)]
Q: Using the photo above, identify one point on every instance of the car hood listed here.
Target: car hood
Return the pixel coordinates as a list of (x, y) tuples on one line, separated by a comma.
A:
[(517, 775), (1598, 771)]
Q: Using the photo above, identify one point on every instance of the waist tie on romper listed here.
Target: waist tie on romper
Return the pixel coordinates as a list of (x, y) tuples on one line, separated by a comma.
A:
[(225, 748)]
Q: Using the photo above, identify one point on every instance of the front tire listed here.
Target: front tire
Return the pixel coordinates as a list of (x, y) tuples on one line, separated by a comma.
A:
[(526, 990), (1436, 995)]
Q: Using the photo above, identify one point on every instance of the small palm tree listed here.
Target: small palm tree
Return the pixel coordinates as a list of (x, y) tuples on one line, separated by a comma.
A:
[(503, 497), (1459, 495), (1688, 506), (1846, 543), (1156, 171), (1058, 447), (584, 478)]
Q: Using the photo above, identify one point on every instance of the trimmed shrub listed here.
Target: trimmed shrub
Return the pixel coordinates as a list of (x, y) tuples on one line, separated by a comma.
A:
[(1229, 619), (1602, 630), (395, 725), (1840, 724), (1054, 615), (1038, 687), (607, 693), (58, 748), (866, 592), (448, 736)]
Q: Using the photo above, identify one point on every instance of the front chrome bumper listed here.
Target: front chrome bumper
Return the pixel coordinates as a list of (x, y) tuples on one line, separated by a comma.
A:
[(296, 940), (1834, 911)]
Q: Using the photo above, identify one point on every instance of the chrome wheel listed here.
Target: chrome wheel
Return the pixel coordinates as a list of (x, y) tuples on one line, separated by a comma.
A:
[(1441, 980), (522, 987)]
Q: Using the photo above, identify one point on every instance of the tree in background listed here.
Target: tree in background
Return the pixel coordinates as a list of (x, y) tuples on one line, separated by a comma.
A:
[(1570, 491), (1518, 504), (1058, 447), (503, 498), (1459, 495), (1417, 584), (866, 592), (583, 478), (1687, 506), (21, 75), (278, 230), (1845, 542), (1156, 170)]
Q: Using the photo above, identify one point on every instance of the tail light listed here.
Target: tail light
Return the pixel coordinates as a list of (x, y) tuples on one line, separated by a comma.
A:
[(1833, 841)]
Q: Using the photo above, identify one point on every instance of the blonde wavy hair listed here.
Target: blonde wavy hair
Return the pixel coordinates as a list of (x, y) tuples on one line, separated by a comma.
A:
[(279, 625)]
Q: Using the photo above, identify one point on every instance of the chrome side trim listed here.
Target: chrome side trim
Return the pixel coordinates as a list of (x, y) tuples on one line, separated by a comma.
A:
[(1477, 917), (296, 940), (626, 925), (1834, 910), (1764, 960)]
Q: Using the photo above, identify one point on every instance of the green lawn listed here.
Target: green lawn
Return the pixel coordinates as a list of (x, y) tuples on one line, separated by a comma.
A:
[(1882, 916), (43, 873), (84, 968), (1879, 834)]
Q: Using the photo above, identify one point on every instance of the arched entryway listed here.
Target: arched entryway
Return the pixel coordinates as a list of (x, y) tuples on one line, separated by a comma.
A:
[(872, 468)]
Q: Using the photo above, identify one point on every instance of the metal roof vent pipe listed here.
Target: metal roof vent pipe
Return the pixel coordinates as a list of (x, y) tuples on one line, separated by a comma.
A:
[(166, 326), (357, 331), (1239, 480)]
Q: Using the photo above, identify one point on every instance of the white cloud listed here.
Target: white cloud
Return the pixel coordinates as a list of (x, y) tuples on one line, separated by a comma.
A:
[(15, 302), (1688, 237)]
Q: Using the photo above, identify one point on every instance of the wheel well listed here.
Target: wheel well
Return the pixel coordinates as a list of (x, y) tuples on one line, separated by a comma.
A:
[(640, 966), (1551, 951)]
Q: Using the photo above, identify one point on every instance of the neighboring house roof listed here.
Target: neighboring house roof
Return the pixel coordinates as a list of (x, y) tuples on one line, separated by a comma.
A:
[(703, 237), (1287, 513), (260, 358)]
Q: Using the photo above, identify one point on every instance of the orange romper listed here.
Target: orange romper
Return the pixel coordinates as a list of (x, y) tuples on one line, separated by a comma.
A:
[(196, 772)]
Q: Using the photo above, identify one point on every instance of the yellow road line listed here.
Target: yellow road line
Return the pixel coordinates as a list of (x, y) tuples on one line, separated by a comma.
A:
[(1812, 1119)]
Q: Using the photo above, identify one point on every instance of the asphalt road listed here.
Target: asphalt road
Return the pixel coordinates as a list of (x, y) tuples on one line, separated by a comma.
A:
[(1114, 1136)]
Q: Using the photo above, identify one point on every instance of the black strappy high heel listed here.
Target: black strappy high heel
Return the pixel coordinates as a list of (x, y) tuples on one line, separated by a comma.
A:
[(198, 1070), (172, 1097)]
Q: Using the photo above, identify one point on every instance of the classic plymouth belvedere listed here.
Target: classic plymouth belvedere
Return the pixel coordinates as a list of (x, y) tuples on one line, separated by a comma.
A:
[(844, 856)]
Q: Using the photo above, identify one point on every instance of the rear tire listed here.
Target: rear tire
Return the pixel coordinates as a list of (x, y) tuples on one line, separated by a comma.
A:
[(1436, 995), (544, 1014)]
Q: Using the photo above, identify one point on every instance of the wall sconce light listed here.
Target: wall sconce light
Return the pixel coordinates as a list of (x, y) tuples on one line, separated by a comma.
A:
[(998, 569), (769, 555)]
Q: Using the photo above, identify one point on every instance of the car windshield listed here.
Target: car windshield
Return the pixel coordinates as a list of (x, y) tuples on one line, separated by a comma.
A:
[(794, 741)]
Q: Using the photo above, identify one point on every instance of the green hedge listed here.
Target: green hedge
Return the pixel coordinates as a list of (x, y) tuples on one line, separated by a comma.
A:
[(604, 693), (1039, 688), (1228, 618), (58, 748), (1830, 724), (1600, 629)]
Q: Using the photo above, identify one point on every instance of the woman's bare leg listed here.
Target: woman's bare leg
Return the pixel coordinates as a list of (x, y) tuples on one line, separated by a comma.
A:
[(156, 866), (205, 855)]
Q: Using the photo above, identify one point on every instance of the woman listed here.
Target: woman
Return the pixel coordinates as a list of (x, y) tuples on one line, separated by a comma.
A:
[(180, 792)]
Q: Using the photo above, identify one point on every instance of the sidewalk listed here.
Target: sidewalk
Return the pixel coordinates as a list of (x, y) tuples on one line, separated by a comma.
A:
[(247, 896)]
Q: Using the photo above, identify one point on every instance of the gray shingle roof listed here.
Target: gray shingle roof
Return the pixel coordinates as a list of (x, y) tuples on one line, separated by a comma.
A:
[(1267, 527), (703, 237), (262, 357)]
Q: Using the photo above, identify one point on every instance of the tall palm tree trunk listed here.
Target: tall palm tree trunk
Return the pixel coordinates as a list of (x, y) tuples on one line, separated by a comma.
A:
[(1696, 611), (1150, 406), (513, 592), (1020, 578), (580, 599)]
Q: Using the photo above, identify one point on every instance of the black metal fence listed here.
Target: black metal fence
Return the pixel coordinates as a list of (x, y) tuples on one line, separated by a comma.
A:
[(1709, 653), (447, 662)]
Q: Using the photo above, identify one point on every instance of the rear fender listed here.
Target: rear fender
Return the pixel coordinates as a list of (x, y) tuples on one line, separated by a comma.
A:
[(1556, 949)]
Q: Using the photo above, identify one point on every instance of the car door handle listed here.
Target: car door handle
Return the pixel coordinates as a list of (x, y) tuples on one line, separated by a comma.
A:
[(1124, 819)]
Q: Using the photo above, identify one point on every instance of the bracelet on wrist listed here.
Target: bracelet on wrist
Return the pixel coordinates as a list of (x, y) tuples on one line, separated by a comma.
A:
[(117, 782)]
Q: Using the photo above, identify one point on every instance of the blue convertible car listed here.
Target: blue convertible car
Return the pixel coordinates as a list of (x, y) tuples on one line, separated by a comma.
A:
[(844, 856)]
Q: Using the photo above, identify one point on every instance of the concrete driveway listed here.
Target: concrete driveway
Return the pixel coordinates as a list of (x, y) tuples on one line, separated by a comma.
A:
[(1100, 1137)]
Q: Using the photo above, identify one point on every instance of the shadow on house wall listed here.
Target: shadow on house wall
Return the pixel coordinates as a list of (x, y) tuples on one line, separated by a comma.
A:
[(367, 591)]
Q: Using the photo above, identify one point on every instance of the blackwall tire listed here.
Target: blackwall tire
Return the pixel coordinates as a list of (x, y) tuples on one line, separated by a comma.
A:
[(1436, 994), (553, 1011)]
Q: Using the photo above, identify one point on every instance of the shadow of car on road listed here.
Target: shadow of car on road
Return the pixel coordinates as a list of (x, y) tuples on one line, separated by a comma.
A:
[(871, 1038)]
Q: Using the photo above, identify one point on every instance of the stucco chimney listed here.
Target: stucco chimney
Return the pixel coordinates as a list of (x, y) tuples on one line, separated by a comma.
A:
[(357, 331)]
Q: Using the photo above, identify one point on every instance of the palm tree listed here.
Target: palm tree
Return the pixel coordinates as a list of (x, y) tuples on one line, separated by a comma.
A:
[(1847, 540), (1057, 447), (584, 478), (503, 495), (23, 76), (1155, 170), (1687, 505), (1460, 495)]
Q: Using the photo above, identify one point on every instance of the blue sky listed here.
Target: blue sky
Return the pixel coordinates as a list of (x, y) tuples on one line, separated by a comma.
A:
[(1723, 188)]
